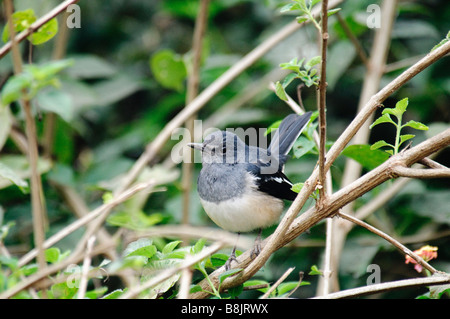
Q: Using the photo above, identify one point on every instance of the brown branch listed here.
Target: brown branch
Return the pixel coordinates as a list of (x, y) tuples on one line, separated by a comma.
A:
[(37, 194), (422, 173), (382, 287), (192, 91), (391, 240), (348, 32), (322, 101)]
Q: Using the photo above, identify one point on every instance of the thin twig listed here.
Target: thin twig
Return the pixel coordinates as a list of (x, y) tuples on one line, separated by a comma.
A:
[(192, 91), (277, 283), (422, 173), (322, 101), (37, 195), (85, 268), (359, 49), (391, 240), (382, 287)]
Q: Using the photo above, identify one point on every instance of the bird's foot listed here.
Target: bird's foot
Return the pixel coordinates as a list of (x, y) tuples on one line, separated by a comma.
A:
[(231, 259), (257, 247)]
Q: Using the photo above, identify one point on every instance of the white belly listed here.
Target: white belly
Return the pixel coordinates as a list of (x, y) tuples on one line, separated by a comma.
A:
[(245, 213)]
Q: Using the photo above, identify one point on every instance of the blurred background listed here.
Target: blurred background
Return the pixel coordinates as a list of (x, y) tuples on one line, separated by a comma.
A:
[(114, 101)]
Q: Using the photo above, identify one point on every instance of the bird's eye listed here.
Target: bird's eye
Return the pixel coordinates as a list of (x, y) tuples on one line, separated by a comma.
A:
[(213, 151)]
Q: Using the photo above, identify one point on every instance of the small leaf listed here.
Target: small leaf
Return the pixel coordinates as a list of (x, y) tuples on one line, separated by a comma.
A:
[(379, 144), (13, 89), (301, 19), (385, 118), (141, 247), (279, 91), (229, 273), (313, 61), (52, 255), (315, 271), (402, 105), (170, 246), (288, 79), (290, 7), (297, 187), (169, 69), (7, 173), (364, 155), (45, 33), (405, 137), (416, 125), (198, 246), (333, 11)]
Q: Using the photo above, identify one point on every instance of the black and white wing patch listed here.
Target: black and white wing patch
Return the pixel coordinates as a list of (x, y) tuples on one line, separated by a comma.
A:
[(277, 185)]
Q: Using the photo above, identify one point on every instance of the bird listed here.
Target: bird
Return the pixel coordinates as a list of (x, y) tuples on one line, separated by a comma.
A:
[(241, 187)]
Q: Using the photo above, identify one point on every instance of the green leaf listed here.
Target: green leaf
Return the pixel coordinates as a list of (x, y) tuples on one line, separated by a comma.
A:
[(52, 255), (168, 248), (313, 62), (290, 7), (416, 125), (8, 174), (57, 102), (405, 137), (402, 105), (333, 11), (303, 146), (366, 156), (272, 127), (385, 118), (141, 247), (14, 87), (229, 273), (288, 79), (301, 19), (198, 246), (21, 21), (297, 187), (169, 69), (279, 91), (315, 271), (45, 33), (379, 144)]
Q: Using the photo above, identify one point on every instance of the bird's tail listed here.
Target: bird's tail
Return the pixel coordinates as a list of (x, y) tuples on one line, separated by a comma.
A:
[(289, 130)]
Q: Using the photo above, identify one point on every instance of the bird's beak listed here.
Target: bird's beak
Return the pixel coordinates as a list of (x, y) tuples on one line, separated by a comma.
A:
[(196, 146)]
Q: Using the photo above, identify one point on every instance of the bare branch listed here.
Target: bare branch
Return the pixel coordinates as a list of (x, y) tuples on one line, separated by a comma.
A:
[(422, 173), (377, 288)]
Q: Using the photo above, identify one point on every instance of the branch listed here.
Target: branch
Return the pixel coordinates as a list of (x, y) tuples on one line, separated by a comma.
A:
[(192, 91), (393, 241), (37, 194), (322, 101), (422, 173), (377, 288)]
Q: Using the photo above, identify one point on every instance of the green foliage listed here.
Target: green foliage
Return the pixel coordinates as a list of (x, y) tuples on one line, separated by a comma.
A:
[(127, 80), (22, 20), (398, 111), (34, 78), (169, 69)]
